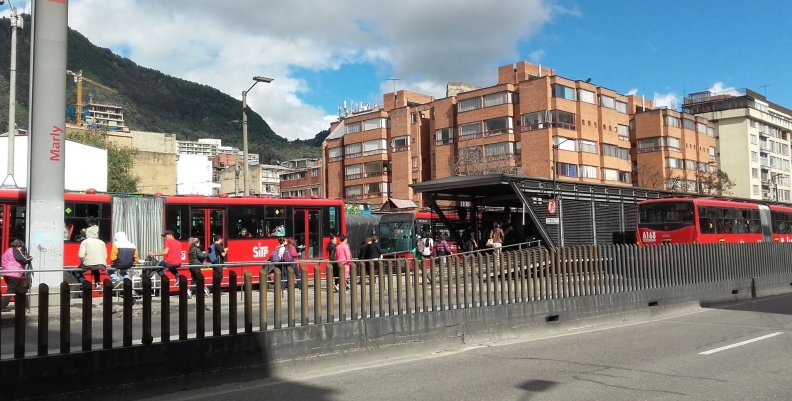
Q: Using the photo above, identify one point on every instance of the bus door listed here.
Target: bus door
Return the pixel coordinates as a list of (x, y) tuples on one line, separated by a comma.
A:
[(205, 223), (12, 223), (308, 233)]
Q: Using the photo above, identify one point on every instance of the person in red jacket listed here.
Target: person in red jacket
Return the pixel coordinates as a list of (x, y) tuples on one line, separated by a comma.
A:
[(172, 253)]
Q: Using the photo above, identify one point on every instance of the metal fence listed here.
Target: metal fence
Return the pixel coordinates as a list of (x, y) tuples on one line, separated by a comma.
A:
[(373, 288)]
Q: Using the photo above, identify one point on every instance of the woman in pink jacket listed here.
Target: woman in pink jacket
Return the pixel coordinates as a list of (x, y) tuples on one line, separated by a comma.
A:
[(14, 261), (343, 256)]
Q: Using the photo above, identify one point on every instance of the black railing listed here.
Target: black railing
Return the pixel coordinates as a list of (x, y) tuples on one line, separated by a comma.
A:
[(372, 288)]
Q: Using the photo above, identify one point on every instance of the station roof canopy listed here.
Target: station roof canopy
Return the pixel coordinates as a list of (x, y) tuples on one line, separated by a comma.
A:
[(491, 189)]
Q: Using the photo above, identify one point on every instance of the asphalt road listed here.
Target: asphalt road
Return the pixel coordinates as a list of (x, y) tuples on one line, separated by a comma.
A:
[(734, 352)]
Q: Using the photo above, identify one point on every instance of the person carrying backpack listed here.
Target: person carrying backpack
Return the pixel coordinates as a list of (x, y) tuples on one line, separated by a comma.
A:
[(14, 261), (216, 256)]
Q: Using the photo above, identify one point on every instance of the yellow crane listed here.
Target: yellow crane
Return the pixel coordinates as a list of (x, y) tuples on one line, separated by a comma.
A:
[(78, 79)]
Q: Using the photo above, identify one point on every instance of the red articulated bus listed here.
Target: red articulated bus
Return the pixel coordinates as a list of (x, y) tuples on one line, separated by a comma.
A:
[(250, 226), (710, 220)]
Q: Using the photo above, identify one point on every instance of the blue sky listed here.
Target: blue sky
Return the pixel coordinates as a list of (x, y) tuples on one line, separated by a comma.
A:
[(323, 53), (663, 49)]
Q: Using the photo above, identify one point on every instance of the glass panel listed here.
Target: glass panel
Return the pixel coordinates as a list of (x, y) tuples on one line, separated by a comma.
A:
[(175, 220), (197, 223), (586, 96), (17, 229), (314, 250), (300, 233), (216, 218)]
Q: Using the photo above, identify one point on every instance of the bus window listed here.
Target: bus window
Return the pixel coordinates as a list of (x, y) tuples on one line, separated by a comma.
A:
[(331, 224), (257, 222), (76, 215), (176, 218), (666, 215), (17, 220)]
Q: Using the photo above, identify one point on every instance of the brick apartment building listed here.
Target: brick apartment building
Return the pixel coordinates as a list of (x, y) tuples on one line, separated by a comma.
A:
[(674, 151), (304, 178), (529, 121)]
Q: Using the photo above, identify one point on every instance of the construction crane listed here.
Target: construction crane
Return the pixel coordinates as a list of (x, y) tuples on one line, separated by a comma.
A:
[(78, 79)]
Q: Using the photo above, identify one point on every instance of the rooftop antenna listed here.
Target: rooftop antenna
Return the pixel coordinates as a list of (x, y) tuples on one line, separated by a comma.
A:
[(764, 89)]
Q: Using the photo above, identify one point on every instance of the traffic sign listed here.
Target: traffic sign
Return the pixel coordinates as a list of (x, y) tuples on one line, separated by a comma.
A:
[(552, 207)]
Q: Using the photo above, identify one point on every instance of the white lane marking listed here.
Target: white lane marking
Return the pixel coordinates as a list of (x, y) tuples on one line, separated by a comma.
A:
[(753, 340)]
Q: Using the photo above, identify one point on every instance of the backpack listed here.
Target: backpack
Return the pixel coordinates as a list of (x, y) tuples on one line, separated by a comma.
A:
[(420, 246), (213, 256), (331, 250), (275, 256)]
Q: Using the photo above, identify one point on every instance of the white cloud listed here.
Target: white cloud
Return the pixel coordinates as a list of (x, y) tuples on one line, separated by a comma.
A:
[(426, 44), (633, 91), (669, 100), (719, 87)]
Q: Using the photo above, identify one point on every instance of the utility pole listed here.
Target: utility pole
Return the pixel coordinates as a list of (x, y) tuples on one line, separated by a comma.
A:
[(16, 23)]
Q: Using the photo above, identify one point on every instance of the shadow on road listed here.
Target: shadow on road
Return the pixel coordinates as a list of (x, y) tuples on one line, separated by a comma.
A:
[(773, 304)]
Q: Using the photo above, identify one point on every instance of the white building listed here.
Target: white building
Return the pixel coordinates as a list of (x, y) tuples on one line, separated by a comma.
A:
[(86, 166), (194, 176), (754, 140)]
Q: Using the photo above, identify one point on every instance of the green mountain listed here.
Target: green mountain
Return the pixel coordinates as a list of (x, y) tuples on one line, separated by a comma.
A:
[(151, 100)]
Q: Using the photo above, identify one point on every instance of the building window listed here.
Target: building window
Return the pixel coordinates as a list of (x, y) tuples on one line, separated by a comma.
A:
[(354, 171), (354, 190), (351, 128), (624, 176), (658, 143), (400, 143), (547, 119), (566, 143), (621, 107), (374, 146), (352, 150), (754, 173), (567, 170), (701, 128), (754, 156), (755, 189), (586, 96), (752, 123), (672, 121), (673, 162), (413, 118), (754, 139), (610, 174), (688, 124), (588, 146), (624, 132), (710, 132), (588, 171), (470, 131), (495, 99), (444, 136), (712, 151), (501, 125), (498, 151), (415, 162), (469, 104), (334, 154), (315, 172), (610, 150), (563, 92), (375, 123), (607, 101)]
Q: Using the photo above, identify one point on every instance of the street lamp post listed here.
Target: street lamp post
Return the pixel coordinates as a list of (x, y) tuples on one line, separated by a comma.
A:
[(555, 187), (256, 80)]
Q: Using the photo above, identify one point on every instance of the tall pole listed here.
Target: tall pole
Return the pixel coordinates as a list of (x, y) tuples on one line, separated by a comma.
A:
[(256, 80), (16, 23), (46, 158), (244, 144)]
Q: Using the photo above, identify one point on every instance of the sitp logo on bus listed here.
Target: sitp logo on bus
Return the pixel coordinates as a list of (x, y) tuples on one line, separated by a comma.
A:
[(649, 236)]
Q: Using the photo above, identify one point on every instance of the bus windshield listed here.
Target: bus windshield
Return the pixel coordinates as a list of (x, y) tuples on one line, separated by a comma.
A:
[(666, 216)]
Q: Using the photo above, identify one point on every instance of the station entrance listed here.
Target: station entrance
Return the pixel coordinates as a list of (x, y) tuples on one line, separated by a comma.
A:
[(570, 214)]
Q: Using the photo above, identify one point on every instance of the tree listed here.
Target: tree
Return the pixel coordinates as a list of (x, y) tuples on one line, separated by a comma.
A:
[(469, 161), (648, 176), (717, 183), (120, 160)]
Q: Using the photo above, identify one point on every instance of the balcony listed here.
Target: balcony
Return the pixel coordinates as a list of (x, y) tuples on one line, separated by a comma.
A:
[(659, 149), (336, 159), (401, 149)]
